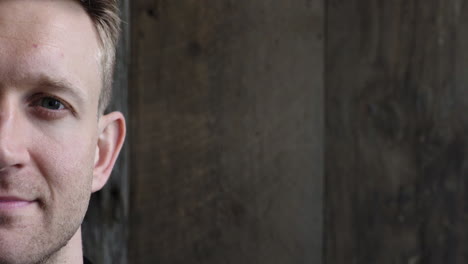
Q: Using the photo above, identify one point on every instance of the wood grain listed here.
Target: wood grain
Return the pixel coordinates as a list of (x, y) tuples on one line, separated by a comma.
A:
[(227, 130), (396, 132)]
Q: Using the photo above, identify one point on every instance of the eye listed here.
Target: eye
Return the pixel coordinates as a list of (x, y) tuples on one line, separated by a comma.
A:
[(50, 107), (50, 103)]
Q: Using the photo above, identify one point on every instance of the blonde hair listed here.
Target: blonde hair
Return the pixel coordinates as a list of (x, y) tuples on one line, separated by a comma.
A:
[(106, 18)]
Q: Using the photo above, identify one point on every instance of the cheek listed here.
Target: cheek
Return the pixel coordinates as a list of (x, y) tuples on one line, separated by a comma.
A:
[(64, 159), (65, 171)]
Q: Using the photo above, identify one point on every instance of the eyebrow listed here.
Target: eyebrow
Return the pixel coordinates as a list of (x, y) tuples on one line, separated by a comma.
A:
[(61, 85)]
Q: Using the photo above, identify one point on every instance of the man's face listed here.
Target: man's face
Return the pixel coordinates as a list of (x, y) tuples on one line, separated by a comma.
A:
[(50, 78)]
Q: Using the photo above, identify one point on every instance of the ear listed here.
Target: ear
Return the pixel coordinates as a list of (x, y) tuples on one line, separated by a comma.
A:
[(110, 140)]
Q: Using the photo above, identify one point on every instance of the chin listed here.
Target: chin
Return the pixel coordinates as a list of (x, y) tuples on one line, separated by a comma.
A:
[(20, 249)]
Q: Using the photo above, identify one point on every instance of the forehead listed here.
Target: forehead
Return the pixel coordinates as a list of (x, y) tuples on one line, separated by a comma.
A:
[(53, 38)]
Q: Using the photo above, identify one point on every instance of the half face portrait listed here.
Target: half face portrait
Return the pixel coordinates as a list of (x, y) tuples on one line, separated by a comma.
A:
[(56, 145)]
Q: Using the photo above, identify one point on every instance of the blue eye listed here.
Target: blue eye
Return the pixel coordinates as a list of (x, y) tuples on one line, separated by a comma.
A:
[(51, 103)]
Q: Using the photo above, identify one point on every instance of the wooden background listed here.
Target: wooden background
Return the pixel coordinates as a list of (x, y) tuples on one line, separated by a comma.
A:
[(227, 132), (396, 126), (252, 121)]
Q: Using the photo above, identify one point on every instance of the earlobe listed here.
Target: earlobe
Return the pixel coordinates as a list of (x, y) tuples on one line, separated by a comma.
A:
[(110, 140)]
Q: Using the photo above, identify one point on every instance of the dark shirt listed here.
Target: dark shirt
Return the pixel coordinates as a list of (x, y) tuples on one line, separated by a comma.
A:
[(86, 261)]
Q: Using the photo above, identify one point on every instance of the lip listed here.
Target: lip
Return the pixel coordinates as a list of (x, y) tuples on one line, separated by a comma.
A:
[(12, 202)]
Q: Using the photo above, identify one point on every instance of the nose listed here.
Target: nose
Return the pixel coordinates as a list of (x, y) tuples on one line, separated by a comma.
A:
[(13, 136)]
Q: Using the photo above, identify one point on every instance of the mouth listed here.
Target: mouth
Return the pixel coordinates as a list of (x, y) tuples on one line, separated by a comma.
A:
[(12, 202)]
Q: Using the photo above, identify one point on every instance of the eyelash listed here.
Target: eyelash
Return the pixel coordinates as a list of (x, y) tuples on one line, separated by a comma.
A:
[(49, 113)]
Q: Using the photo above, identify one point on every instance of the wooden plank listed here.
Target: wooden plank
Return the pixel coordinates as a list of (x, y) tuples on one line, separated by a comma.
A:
[(396, 75), (226, 129), (105, 229)]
